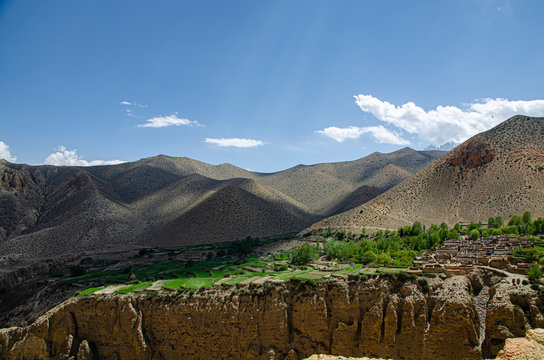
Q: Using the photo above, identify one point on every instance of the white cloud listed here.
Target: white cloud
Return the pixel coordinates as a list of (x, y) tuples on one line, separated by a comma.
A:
[(129, 103), (5, 153), (170, 120), (235, 142), (448, 123), (71, 158), (380, 133), (341, 134)]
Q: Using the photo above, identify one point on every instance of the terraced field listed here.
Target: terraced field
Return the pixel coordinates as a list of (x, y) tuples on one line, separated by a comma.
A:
[(176, 276)]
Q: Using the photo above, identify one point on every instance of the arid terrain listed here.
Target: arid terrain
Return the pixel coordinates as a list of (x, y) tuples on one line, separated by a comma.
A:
[(148, 260), (48, 211), (499, 172)]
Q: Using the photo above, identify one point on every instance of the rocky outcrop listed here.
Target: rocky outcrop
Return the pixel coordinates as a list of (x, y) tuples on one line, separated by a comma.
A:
[(376, 318), (531, 347), (511, 310), (472, 153)]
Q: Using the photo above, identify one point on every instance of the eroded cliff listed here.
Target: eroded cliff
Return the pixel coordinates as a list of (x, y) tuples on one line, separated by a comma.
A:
[(375, 317)]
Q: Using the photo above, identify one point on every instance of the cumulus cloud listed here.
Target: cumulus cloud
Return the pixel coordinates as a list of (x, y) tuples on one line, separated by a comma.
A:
[(125, 103), (235, 142), (67, 157), (5, 153), (380, 134), (448, 123), (170, 120)]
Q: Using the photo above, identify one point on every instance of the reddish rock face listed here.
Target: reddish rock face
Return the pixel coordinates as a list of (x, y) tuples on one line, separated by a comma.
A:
[(474, 152), (11, 180)]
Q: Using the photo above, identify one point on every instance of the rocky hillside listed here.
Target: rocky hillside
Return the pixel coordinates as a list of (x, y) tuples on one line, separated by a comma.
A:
[(497, 172), (375, 318), (46, 211)]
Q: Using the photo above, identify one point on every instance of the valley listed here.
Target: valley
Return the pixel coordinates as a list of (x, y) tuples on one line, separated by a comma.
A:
[(408, 255)]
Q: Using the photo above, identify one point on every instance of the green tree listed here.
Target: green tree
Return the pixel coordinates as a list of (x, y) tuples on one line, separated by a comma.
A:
[(510, 230), (515, 221), (526, 218), (385, 259), (417, 228), (491, 223), (539, 226), (369, 257), (474, 234), (304, 254), (534, 273)]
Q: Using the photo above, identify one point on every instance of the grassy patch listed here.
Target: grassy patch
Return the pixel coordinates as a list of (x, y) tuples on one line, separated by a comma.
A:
[(309, 276), (174, 284), (239, 279), (352, 270), (134, 288), (191, 283), (89, 291)]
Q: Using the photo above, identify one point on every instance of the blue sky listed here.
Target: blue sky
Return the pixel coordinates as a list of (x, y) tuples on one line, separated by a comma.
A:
[(263, 85)]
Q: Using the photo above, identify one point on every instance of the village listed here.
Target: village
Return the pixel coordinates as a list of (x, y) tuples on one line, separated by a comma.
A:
[(461, 256)]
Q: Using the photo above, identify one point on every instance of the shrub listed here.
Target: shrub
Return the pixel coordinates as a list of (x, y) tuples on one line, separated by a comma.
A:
[(369, 257), (531, 253), (474, 234), (509, 230), (76, 270), (402, 276), (525, 282), (424, 283), (385, 259), (417, 228), (304, 254), (534, 273), (280, 267)]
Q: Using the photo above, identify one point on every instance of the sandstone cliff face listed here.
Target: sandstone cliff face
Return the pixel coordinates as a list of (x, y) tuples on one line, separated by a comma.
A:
[(374, 318), (510, 312), (530, 347)]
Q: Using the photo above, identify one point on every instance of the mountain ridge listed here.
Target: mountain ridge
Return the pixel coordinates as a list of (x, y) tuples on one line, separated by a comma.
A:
[(499, 172), (50, 210)]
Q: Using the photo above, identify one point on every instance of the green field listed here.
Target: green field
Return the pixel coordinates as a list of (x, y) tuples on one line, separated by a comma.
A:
[(89, 291), (191, 283), (134, 288), (228, 270)]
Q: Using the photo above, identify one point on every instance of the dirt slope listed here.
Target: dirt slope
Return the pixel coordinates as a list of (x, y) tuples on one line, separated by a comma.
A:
[(47, 211), (497, 172)]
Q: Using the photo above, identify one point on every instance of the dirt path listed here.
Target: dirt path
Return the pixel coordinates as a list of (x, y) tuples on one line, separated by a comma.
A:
[(509, 276)]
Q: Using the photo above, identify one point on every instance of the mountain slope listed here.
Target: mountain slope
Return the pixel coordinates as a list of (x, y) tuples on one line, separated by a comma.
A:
[(47, 211), (232, 212), (497, 172)]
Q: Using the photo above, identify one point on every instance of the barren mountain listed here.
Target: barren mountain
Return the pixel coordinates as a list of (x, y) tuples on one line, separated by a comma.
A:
[(497, 172), (47, 211)]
